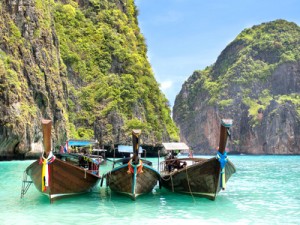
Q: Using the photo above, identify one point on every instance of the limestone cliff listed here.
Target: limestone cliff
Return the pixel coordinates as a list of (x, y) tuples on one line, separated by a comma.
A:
[(32, 84), (256, 82), (81, 63)]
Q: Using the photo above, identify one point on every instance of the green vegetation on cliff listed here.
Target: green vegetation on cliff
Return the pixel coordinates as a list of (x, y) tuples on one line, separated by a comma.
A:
[(256, 82), (243, 69), (108, 70), (84, 64)]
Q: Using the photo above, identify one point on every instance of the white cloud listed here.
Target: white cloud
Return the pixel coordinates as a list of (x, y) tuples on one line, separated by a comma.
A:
[(165, 85)]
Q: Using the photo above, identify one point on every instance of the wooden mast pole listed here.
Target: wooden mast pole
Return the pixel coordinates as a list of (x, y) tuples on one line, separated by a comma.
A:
[(222, 155), (46, 126), (136, 145), (224, 132)]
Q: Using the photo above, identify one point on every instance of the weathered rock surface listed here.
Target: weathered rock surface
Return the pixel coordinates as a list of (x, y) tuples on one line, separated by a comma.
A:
[(31, 84), (83, 65), (255, 84)]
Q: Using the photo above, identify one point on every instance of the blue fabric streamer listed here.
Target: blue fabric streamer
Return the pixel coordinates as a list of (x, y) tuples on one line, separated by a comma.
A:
[(222, 159)]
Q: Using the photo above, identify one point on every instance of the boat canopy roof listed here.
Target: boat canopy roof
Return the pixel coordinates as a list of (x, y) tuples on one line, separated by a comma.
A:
[(175, 146), (128, 148), (99, 150), (80, 143)]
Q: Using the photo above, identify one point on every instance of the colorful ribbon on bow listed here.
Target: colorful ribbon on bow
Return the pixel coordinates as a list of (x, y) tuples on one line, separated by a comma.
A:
[(222, 158), (131, 167), (46, 170)]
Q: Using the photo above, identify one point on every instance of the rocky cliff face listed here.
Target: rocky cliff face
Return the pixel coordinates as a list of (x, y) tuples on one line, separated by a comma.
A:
[(256, 82), (31, 82), (81, 64)]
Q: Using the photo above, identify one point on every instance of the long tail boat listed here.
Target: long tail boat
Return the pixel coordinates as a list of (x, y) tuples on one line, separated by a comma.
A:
[(200, 177), (57, 178), (134, 176)]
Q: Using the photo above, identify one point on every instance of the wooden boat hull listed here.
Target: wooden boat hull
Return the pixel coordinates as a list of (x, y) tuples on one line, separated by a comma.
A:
[(64, 178), (119, 180), (201, 179)]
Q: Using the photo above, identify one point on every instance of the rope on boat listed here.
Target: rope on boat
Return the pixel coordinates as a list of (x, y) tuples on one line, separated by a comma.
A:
[(108, 183), (187, 178), (222, 158), (109, 192), (46, 169), (188, 181), (172, 182)]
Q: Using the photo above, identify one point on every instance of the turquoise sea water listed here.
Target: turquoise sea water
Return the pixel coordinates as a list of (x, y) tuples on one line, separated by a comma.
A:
[(265, 190)]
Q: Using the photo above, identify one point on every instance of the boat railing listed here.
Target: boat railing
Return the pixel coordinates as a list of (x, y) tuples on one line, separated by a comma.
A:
[(170, 165)]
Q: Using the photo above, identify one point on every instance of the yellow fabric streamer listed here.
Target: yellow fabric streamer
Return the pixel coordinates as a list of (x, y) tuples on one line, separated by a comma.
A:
[(44, 172), (223, 179)]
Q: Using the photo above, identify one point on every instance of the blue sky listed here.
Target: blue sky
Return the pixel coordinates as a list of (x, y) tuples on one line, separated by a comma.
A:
[(187, 35)]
